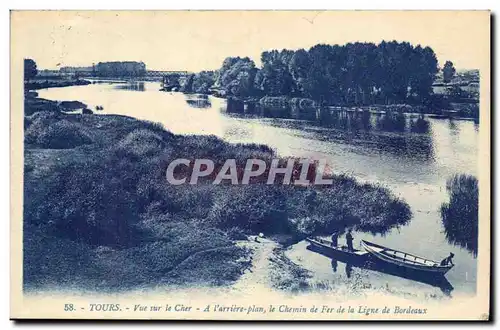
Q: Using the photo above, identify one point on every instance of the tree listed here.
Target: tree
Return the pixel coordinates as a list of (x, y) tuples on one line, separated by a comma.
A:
[(424, 67), (448, 71), (361, 68), (202, 82), (30, 69), (275, 79), (319, 82), (299, 67), (187, 87), (237, 76)]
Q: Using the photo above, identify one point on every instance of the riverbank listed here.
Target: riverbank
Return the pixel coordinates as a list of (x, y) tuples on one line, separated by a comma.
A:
[(45, 83), (305, 108), (99, 212)]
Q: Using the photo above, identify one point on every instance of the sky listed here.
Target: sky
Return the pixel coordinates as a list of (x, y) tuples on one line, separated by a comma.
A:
[(201, 40)]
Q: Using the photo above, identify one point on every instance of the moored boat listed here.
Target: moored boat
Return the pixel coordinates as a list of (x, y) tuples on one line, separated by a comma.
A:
[(327, 247), (404, 259)]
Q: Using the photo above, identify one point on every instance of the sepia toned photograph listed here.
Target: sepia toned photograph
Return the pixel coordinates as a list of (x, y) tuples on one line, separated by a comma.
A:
[(250, 165)]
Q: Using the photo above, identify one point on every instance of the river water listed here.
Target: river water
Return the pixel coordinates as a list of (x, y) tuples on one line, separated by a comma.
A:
[(414, 166)]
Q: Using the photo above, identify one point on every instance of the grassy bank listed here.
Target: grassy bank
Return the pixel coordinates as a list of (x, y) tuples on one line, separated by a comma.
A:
[(99, 213)]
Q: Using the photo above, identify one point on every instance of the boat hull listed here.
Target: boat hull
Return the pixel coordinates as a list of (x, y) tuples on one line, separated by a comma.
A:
[(324, 247), (374, 250)]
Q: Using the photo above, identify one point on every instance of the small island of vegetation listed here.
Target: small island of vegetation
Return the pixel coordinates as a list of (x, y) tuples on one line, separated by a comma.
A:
[(390, 76), (460, 214)]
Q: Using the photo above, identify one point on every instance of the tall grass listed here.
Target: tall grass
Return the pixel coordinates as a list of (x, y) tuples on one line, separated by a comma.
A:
[(46, 129), (460, 214)]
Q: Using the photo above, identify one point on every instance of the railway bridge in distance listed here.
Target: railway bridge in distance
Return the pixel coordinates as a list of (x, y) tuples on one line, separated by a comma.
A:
[(162, 74)]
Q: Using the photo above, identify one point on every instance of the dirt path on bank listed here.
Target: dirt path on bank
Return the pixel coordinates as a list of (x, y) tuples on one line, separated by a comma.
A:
[(271, 269), (259, 275)]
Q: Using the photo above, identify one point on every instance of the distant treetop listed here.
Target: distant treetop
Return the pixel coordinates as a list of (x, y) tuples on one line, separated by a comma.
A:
[(30, 69)]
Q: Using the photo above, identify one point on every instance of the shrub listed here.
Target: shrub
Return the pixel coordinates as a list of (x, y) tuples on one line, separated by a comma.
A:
[(72, 105), (257, 208), (33, 105), (141, 142), (62, 134)]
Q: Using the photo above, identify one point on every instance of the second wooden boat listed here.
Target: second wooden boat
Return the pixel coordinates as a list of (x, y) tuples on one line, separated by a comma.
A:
[(404, 259)]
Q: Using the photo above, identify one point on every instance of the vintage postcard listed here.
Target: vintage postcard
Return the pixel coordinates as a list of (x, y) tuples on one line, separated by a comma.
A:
[(250, 165)]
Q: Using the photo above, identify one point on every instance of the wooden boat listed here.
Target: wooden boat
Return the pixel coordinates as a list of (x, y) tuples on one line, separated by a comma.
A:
[(326, 247), (365, 260), (404, 259)]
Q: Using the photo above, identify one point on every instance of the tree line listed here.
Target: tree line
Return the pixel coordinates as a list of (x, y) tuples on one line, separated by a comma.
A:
[(30, 69), (354, 73)]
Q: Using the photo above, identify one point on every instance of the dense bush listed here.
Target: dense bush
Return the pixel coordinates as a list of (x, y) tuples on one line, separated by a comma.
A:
[(199, 83), (257, 208), (46, 132), (141, 143)]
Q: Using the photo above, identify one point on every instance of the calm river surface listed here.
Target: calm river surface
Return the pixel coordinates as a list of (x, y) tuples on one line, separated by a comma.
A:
[(417, 173)]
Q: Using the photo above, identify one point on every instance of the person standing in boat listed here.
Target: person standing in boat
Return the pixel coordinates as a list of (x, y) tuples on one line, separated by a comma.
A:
[(448, 260), (335, 239), (349, 239)]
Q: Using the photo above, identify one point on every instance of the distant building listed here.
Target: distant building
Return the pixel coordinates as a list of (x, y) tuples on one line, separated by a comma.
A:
[(472, 87), (123, 69), (466, 80), (78, 71), (73, 69)]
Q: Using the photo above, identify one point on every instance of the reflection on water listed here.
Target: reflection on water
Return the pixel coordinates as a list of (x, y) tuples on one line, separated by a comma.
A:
[(335, 265), (348, 119), (452, 125), (414, 164), (415, 146), (421, 125), (199, 101), (131, 86), (348, 270)]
